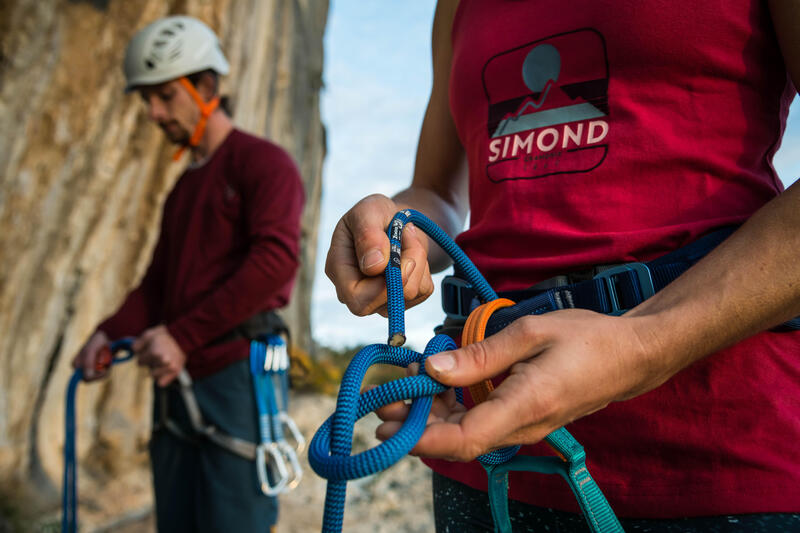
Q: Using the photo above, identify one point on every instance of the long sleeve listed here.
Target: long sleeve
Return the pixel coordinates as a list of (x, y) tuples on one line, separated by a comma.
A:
[(273, 198)]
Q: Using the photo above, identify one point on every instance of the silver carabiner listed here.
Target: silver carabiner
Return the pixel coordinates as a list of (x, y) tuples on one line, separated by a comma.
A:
[(294, 463), (276, 457), (290, 425)]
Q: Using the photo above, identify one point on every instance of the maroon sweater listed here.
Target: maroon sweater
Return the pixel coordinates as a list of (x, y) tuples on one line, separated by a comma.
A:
[(228, 249)]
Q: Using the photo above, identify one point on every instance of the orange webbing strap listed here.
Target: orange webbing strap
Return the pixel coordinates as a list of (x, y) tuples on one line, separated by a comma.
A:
[(474, 331), (206, 108)]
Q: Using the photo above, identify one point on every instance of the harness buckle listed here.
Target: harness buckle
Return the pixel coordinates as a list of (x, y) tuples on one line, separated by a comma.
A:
[(643, 275), (458, 297)]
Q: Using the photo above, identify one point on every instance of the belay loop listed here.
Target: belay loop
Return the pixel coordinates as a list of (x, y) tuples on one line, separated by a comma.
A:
[(69, 502), (330, 449)]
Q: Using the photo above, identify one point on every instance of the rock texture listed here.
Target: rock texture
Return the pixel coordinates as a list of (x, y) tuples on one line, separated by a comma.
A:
[(82, 178)]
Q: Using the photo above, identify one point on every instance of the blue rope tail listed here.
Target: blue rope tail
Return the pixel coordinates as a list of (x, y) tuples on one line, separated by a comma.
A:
[(69, 496), (394, 277)]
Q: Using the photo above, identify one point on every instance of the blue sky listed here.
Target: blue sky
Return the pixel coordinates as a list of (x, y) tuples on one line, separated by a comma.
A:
[(377, 80)]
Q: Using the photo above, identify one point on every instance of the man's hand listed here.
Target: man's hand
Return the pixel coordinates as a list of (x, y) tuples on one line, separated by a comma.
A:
[(88, 357), (562, 366), (157, 349), (359, 253)]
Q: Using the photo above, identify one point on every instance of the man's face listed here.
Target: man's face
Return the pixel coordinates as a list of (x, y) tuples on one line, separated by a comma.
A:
[(171, 107)]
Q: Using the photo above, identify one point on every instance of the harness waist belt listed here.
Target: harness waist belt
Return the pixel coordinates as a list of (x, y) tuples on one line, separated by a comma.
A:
[(613, 289)]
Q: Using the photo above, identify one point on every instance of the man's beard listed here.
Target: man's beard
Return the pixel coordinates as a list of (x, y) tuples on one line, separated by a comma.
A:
[(175, 133)]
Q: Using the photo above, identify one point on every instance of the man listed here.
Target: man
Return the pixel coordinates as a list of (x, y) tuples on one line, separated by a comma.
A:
[(226, 257), (581, 136)]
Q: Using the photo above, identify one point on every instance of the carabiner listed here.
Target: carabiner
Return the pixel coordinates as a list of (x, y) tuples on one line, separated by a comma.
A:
[(294, 464), (276, 458), (289, 424)]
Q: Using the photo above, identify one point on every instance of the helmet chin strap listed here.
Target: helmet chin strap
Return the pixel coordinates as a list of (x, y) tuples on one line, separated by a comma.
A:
[(206, 108)]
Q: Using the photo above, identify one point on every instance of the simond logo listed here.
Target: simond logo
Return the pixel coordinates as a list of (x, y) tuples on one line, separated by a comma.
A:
[(548, 107)]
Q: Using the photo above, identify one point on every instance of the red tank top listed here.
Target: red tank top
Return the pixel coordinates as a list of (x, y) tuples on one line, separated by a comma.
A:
[(604, 132)]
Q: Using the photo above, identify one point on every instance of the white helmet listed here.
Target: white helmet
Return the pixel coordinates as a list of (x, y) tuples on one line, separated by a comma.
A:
[(170, 48)]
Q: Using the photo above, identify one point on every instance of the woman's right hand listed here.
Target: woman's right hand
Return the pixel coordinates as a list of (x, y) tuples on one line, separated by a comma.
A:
[(88, 358), (359, 253)]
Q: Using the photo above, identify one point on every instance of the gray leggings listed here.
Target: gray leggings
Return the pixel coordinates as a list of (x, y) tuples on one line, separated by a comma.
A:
[(462, 509)]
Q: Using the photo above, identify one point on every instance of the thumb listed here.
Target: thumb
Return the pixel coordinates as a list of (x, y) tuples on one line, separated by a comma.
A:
[(367, 223), (488, 358), (141, 341)]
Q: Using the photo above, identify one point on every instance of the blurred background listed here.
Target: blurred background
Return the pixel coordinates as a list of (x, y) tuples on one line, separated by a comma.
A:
[(343, 86)]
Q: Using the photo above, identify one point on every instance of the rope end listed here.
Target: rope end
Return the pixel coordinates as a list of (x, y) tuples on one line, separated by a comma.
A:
[(397, 339)]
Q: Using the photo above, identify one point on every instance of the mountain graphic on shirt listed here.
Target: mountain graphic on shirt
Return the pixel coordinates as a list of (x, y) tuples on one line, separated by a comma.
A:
[(548, 107), (554, 105)]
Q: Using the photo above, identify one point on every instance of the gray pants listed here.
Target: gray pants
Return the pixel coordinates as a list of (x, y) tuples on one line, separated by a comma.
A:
[(200, 487)]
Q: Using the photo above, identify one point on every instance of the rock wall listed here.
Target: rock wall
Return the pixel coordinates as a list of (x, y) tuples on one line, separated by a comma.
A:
[(82, 179)]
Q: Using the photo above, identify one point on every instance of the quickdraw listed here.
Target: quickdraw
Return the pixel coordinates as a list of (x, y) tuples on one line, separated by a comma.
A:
[(107, 358), (277, 464), (330, 449)]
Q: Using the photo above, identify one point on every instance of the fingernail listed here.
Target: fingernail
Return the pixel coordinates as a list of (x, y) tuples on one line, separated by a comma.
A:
[(371, 258), (411, 229), (441, 362)]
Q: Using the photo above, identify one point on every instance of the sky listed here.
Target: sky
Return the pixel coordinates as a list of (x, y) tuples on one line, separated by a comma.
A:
[(377, 77)]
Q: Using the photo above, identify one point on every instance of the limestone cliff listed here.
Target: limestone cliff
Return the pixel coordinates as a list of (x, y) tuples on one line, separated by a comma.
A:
[(82, 178)]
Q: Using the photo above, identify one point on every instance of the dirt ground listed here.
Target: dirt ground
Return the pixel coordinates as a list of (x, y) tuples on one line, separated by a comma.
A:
[(395, 500)]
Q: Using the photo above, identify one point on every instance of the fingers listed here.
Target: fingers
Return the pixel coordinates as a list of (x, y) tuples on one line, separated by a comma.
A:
[(417, 282), (367, 223), (394, 412), (359, 253), (488, 426), (88, 359), (164, 375), (486, 359)]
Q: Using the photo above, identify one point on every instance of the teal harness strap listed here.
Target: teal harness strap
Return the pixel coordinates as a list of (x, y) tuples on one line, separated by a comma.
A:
[(572, 468)]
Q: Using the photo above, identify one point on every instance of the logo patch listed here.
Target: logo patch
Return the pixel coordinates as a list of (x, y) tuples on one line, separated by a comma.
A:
[(548, 107)]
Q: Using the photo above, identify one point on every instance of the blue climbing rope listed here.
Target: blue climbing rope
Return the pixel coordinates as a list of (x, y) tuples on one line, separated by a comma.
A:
[(330, 450), (69, 501)]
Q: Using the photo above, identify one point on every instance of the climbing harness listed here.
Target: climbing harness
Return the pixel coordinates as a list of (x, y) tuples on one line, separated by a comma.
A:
[(200, 428), (106, 358), (330, 449), (269, 362), (274, 457)]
